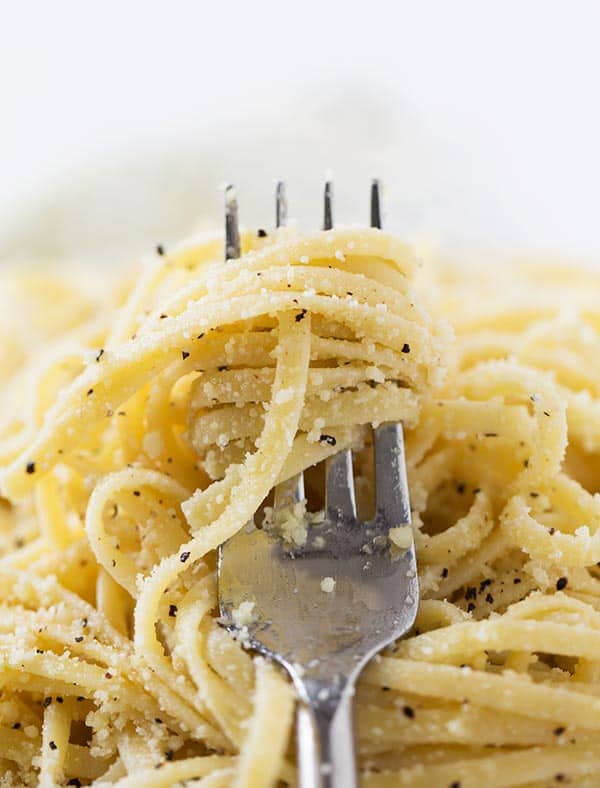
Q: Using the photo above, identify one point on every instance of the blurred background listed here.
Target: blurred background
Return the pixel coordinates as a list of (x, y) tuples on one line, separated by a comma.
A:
[(120, 121)]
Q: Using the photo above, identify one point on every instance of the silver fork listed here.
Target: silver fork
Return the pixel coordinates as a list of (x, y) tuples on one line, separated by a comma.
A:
[(324, 638)]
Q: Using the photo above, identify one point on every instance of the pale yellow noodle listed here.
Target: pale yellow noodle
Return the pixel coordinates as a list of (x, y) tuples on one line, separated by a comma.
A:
[(148, 413)]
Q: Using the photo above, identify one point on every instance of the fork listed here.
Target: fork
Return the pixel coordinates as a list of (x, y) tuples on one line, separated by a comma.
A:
[(324, 609)]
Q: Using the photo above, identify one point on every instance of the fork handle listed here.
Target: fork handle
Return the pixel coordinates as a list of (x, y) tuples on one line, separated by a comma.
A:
[(325, 740)]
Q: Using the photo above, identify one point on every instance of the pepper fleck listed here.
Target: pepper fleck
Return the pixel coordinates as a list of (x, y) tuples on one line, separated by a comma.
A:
[(559, 731), (184, 354), (470, 607), (47, 702), (172, 610), (52, 745), (160, 250), (79, 638), (30, 467), (16, 726), (327, 439), (561, 583), (300, 316), (99, 354), (444, 572), (184, 557), (406, 348), (261, 233), (489, 599), (409, 712), (137, 493)]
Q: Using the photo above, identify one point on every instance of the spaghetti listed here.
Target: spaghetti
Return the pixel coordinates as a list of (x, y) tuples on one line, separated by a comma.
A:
[(145, 423)]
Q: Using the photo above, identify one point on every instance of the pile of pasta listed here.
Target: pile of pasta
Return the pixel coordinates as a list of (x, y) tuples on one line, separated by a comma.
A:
[(148, 413)]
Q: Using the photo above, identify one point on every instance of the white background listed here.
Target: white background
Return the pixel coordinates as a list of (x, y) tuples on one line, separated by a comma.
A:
[(120, 120)]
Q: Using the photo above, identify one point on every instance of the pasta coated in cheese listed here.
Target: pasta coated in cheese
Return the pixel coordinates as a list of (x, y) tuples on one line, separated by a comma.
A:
[(146, 420)]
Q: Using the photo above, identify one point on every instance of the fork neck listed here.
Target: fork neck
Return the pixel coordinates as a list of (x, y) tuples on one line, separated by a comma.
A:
[(326, 748)]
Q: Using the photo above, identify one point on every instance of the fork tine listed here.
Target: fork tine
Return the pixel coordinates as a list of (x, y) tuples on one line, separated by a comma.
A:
[(327, 206), (339, 482), (392, 499), (289, 492), (292, 490), (375, 204), (392, 487), (232, 230), (280, 205), (339, 486)]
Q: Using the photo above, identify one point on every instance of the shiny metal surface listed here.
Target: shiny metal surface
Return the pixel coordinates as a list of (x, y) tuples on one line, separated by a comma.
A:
[(280, 205), (232, 231), (324, 639)]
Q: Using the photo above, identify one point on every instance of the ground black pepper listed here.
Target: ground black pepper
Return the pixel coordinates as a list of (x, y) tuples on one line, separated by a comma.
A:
[(327, 439)]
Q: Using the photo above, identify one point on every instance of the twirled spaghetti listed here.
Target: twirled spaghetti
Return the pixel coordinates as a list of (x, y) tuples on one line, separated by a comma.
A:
[(146, 422)]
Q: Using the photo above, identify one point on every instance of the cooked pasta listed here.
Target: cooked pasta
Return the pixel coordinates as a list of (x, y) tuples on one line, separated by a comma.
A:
[(147, 414)]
